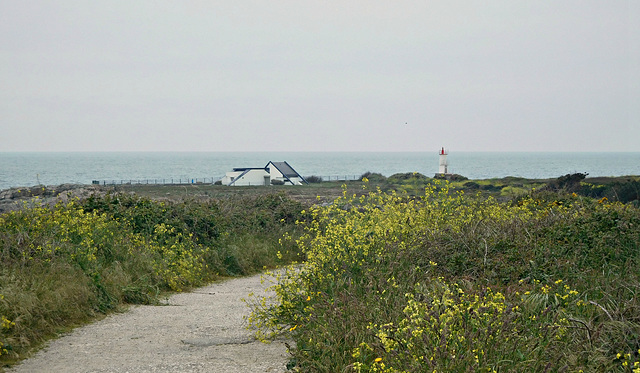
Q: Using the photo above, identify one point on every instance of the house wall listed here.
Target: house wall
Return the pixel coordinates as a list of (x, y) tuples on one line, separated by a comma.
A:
[(275, 174), (229, 177), (296, 180), (253, 177)]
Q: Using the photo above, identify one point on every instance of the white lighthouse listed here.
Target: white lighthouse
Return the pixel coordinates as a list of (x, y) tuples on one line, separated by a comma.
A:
[(444, 166)]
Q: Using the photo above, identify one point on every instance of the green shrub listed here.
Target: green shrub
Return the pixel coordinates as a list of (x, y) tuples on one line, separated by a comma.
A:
[(65, 264), (400, 177), (373, 177), (567, 183), (313, 179), (471, 185), (448, 283)]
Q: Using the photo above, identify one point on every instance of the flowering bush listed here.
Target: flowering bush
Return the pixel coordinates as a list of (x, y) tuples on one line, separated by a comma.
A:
[(180, 261), (5, 324), (445, 282), (63, 264)]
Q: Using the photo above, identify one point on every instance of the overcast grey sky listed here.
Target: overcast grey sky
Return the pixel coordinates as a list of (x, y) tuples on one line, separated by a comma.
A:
[(195, 75)]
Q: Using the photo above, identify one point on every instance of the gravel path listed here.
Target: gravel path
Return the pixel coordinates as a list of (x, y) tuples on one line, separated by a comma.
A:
[(201, 331)]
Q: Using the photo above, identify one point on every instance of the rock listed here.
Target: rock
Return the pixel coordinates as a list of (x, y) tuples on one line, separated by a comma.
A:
[(14, 198)]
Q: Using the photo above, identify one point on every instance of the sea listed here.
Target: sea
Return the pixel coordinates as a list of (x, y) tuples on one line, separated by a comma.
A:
[(23, 169)]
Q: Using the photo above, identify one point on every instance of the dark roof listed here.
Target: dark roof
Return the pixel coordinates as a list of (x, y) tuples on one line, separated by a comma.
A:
[(286, 170), (247, 168)]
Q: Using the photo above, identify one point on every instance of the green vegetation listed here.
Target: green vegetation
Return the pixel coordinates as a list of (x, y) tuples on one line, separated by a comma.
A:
[(313, 179), (67, 264), (400, 274), (625, 189), (443, 282)]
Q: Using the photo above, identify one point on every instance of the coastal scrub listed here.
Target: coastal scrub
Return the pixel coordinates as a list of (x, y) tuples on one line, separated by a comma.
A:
[(64, 265), (447, 282)]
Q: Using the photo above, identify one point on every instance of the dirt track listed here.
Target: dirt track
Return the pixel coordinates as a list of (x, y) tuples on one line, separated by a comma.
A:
[(200, 331)]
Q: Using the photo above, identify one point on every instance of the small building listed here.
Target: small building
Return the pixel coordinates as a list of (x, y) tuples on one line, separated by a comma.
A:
[(280, 173), (443, 169)]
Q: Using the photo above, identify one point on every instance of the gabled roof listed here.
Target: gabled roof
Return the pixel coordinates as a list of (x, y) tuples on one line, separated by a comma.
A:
[(286, 170)]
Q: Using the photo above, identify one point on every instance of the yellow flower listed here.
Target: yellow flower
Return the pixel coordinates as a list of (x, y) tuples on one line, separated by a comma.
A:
[(378, 359)]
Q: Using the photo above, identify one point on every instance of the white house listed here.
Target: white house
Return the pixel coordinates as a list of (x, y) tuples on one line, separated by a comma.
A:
[(272, 173)]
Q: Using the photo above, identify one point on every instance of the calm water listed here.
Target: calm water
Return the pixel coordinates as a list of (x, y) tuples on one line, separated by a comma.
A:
[(27, 169)]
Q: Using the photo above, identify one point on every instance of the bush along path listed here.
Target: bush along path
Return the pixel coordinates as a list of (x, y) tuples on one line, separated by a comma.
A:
[(200, 331), (69, 264), (548, 282)]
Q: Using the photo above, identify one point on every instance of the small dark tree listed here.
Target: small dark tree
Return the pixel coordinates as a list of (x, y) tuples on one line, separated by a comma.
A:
[(568, 183)]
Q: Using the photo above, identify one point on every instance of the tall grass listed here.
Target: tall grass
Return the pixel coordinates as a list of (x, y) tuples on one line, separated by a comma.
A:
[(66, 264), (450, 283)]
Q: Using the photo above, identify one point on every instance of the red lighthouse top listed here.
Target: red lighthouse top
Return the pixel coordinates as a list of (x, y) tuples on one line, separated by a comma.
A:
[(442, 151)]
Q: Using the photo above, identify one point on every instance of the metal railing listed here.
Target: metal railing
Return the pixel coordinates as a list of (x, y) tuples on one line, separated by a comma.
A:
[(341, 178), (200, 180), (173, 181)]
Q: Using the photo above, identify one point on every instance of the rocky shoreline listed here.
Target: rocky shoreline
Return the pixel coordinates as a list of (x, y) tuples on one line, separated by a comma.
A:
[(15, 198)]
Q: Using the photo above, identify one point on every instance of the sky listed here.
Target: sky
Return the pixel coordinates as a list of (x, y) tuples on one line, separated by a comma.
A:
[(359, 75)]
